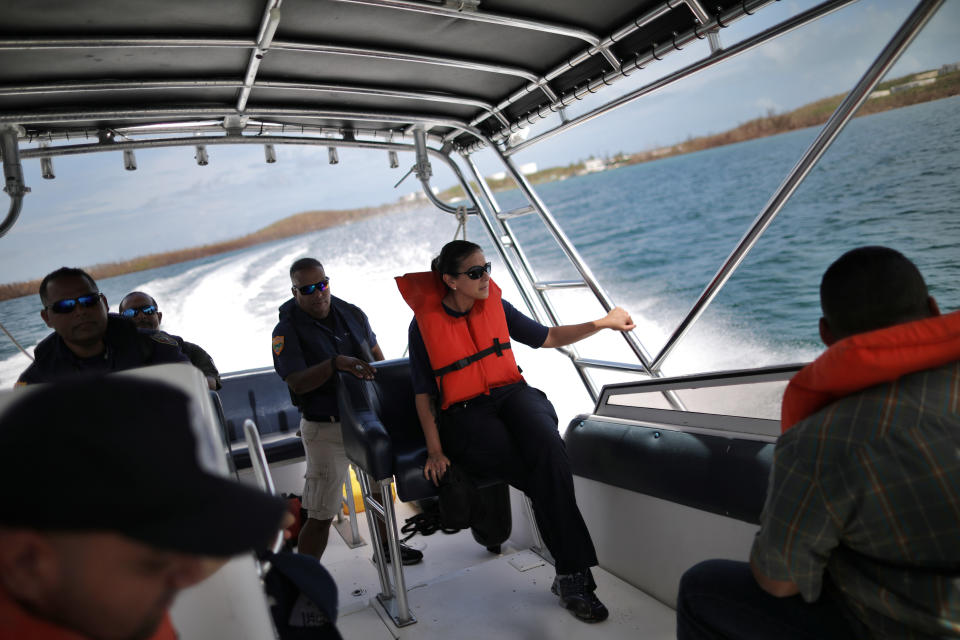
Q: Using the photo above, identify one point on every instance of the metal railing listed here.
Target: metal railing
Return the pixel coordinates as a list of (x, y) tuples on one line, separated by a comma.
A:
[(499, 229), (258, 460)]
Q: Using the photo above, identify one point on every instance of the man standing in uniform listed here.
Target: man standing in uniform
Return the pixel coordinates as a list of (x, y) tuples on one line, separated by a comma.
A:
[(317, 336), (142, 309), (86, 338), (859, 534)]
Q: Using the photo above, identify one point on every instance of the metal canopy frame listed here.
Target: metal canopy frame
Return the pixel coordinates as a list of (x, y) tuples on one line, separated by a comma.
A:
[(523, 56), (63, 81)]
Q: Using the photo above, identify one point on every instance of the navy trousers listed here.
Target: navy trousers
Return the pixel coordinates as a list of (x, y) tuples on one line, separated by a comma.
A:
[(511, 435), (720, 599)]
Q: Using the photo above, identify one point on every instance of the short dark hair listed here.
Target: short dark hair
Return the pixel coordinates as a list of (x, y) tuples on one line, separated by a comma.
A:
[(871, 288), (452, 255), (63, 272), (304, 263), (139, 293)]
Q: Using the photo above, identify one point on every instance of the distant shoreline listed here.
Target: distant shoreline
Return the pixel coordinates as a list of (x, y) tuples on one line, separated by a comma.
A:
[(916, 88), (893, 94), (294, 225)]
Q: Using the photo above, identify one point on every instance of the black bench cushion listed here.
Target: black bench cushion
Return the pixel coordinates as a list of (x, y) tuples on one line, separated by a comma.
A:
[(715, 473), (261, 396)]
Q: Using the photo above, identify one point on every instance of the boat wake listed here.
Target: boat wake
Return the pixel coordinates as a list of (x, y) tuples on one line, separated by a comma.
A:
[(228, 305)]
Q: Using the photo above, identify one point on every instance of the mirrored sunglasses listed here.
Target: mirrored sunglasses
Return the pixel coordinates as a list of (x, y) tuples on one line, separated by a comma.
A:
[(69, 304), (147, 310), (476, 272), (308, 289)]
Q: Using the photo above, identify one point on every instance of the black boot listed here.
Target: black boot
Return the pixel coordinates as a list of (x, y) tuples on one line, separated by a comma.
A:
[(408, 555), (576, 591)]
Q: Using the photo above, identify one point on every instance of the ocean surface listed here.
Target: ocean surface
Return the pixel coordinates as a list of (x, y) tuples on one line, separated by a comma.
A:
[(654, 234)]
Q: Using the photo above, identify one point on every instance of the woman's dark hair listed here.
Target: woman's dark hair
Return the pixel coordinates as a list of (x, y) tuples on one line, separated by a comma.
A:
[(452, 255)]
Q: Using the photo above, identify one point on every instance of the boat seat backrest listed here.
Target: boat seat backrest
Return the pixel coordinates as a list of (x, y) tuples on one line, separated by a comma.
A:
[(722, 474), (263, 397), (381, 430), (664, 497)]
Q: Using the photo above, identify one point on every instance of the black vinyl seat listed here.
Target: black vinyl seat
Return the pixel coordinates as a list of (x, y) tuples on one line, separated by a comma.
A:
[(262, 396), (383, 439), (381, 430)]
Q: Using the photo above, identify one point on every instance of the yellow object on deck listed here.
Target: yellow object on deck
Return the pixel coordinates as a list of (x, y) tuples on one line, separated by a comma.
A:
[(358, 505)]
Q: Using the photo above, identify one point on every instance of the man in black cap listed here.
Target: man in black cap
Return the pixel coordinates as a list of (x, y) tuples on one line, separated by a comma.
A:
[(143, 310), (86, 338), (107, 511)]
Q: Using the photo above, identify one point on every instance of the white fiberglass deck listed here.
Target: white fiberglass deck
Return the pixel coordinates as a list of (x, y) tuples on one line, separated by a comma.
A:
[(461, 590)]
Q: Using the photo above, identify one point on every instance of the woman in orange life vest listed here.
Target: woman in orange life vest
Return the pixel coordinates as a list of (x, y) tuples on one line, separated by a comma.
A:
[(493, 425)]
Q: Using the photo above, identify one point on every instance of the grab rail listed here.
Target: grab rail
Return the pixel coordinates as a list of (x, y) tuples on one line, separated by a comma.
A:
[(12, 174), (775, 373), (258, 460)]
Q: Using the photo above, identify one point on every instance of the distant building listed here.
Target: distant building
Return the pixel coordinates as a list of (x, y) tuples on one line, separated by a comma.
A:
[(527, 169), (912, 85), (926, 75), (500, 175), (882, 93), (593, 165)]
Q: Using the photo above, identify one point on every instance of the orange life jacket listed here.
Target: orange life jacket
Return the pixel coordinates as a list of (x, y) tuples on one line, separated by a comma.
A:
[(469, 355), (17, 624), (867, 359)]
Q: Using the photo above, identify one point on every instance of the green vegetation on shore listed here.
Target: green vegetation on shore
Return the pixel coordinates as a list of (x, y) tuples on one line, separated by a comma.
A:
[(815, 113)]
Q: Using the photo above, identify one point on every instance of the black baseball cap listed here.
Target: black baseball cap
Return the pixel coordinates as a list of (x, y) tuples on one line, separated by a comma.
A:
[(120, 454)]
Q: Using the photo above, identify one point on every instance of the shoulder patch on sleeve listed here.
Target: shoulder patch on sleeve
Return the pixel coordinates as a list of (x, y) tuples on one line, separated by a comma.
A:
[(163, 338), (20, 383), (277, 345)]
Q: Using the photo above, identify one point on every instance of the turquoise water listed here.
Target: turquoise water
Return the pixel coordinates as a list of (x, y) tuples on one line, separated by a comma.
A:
[(654, 234)]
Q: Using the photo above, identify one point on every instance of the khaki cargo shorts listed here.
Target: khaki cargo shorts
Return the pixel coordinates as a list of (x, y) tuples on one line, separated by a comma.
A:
[(327, 467)]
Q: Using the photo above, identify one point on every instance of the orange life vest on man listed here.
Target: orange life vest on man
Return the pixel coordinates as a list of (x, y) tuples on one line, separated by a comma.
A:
[(469, 355), (867, 359)]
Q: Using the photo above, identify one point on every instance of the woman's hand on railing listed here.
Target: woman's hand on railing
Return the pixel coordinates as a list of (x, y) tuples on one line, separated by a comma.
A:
[(617, 319)]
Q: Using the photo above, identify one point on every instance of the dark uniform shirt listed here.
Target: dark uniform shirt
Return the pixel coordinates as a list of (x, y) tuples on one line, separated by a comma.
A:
[(521, 328), (300, 341), (199, 358), (868, 490), (126, 348)]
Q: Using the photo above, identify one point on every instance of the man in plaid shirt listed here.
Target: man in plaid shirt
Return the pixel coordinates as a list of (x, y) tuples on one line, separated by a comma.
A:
[(860, 534)]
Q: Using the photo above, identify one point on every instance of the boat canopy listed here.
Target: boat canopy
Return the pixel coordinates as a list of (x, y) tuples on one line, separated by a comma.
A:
[(470, 71)]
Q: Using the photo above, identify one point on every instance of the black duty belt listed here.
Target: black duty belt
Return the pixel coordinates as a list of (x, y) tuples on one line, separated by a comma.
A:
[(321, 418)]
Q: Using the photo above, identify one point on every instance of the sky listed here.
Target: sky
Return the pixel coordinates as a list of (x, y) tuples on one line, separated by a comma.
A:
[(95, 211)]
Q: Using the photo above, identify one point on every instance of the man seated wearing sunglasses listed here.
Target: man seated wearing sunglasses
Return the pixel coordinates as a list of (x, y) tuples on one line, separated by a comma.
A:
[(318, 335), (87, 339), (143, 310)]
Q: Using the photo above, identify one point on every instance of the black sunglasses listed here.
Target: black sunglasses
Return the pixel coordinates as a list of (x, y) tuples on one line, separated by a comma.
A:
[(69, 304), (132, 312), (476, 272), (308, 289)]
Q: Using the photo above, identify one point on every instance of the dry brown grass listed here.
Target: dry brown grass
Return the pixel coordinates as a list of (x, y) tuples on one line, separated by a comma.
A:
[(816, 113), (291, 226)]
